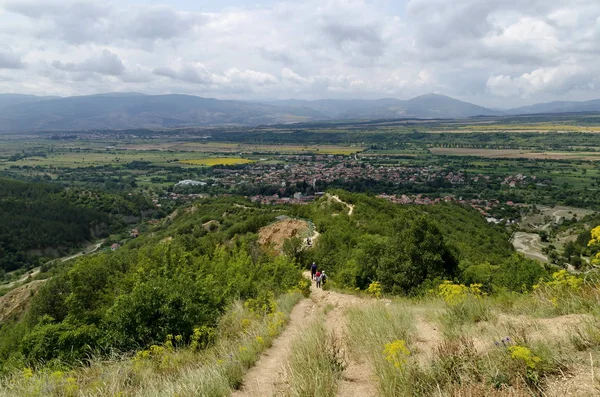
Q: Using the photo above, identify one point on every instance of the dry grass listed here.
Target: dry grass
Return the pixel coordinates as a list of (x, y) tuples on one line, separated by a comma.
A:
[(315, 364), (166, 371)]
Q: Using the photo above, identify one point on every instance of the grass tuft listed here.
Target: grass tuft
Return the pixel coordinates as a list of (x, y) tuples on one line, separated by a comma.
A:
[(316, 363)]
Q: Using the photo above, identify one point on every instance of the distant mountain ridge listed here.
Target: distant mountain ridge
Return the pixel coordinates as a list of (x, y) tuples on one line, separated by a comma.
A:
[(559, 107), (125, 111), (20, 113)]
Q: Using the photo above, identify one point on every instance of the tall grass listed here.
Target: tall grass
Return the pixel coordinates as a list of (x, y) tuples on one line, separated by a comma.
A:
[(384, 335), (315, 364), (167, 370), (471, 310), (515, 366), (565, 294)]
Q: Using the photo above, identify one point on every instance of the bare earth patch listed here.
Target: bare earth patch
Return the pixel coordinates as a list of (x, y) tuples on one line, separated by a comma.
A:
[(276, 233), (16, 301)]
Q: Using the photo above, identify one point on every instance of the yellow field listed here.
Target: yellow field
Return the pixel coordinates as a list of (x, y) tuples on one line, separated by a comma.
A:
[(217, 161)]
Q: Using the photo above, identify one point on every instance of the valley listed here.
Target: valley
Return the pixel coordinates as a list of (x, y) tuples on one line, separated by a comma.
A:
[(438, 245), (319, 198)]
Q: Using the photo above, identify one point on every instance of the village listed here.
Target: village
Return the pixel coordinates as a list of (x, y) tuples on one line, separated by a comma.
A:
[(330, 171)]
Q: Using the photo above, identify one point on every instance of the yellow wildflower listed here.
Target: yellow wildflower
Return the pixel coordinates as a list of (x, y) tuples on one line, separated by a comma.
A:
[(374, 289), (396, 353), (27, 373), (523, 354)]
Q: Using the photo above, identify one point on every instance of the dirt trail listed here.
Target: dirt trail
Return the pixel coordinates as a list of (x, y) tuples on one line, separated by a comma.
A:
[(34, 272), (88, 250), (428, 336), (358, 379), (264, 378), (349, 206), (267, 377)]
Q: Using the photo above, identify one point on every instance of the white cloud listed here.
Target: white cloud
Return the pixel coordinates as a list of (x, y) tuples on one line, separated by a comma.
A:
[(549, 80), (10, 60), (106, 63), (489, 51)]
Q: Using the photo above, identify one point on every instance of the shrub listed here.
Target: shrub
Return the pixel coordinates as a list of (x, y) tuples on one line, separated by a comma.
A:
[(374, 289)]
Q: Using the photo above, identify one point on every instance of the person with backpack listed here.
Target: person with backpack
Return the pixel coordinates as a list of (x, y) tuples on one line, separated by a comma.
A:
[(313, 271), (318, 279), (324, 278)]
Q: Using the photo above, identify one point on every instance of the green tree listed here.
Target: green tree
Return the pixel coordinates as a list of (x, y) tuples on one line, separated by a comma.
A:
[(417, 254)]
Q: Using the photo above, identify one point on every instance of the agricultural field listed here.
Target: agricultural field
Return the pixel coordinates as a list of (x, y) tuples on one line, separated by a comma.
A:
[(520, 154), (211, 161), (91, 158)]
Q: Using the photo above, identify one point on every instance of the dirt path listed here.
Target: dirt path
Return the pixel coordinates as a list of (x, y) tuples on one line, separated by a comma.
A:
[(87, 250), (358, 379), (267, 376), (349, 206), (428, 336), (263, 379), (33, 272)]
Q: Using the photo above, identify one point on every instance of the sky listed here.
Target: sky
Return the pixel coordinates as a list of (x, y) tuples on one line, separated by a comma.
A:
[(497, 53)]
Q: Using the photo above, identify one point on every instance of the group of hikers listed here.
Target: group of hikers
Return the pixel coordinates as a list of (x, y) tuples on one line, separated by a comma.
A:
[(318, 276)]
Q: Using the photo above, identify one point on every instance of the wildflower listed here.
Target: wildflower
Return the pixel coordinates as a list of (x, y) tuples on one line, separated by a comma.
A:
[(595, 233), (245, 323), (396, 353), (374, 289), (453, 294), (523, 354), (27, 373)]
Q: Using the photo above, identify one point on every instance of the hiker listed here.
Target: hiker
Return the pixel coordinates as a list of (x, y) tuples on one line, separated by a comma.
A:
[(313, 271), (318, 278), (308, 242), (323, 278)]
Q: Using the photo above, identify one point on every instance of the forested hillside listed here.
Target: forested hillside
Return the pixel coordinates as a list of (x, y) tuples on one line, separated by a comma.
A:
[(410, 248), (47, 220), (184, 273), (179, 278)]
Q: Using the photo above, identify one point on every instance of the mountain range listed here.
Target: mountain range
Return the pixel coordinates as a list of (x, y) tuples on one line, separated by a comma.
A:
[(20, 113)]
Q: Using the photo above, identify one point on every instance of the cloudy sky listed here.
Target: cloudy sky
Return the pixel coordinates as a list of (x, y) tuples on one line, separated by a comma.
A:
[(493, 52)]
